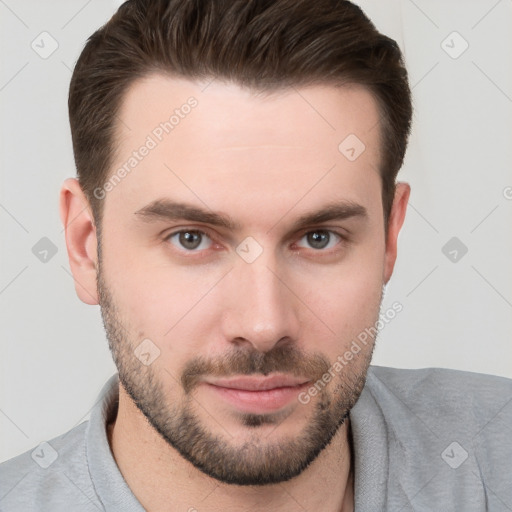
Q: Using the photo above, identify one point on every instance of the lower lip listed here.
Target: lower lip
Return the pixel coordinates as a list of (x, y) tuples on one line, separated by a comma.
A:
[(258, 402)]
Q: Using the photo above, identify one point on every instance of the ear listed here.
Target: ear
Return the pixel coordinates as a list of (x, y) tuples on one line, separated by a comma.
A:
[(81, 241), (396, 219)]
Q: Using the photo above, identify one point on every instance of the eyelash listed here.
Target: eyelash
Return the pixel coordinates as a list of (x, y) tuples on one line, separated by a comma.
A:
[(343, 240)]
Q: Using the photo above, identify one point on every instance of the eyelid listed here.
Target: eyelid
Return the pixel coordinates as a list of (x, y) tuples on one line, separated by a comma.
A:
[(344, 238), (342, 234), (189, 253), (192, 229), (337, 230)]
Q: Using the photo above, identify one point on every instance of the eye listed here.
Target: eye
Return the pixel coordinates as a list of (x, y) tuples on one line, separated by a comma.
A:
[(190, 240), (321, 239)]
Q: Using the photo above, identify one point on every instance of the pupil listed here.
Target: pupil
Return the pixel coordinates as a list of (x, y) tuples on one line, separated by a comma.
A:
[(318, 239), (190, 240)]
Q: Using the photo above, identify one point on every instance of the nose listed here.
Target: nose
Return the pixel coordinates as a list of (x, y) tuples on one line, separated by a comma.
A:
[(262, 312)]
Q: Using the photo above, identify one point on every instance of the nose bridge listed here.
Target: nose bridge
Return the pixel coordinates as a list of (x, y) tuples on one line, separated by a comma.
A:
[(263, 312)]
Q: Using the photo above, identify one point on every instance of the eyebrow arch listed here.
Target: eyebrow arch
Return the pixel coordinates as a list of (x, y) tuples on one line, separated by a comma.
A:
[(166, 209)]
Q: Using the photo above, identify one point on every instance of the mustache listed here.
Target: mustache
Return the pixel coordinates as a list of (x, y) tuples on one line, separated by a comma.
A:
[(282, 359)]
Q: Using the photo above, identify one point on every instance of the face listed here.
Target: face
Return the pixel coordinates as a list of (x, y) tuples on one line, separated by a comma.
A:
[(241, 254)]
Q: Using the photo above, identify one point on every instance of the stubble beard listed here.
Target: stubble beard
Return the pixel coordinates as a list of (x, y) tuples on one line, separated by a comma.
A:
[(260, 460)]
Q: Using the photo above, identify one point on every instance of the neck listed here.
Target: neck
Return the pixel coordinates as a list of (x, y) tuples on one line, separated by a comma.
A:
[(158, 475)]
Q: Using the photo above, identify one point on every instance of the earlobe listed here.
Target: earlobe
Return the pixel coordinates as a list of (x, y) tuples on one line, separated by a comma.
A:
[(81, 241), (396, 220)]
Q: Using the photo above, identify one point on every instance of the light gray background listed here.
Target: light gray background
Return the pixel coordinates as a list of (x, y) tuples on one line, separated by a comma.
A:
[(54, 356)]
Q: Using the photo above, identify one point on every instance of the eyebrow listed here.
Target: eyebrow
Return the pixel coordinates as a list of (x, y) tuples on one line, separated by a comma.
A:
[(168, 210)]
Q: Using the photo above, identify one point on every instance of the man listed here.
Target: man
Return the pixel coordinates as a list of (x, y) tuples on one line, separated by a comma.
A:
[(236, 217)]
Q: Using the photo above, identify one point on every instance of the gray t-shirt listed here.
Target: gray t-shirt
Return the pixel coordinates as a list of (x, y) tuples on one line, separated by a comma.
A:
[(424, 440)]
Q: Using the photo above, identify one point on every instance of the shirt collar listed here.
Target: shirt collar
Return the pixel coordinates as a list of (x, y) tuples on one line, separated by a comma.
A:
[(370, 448), (109, 484)]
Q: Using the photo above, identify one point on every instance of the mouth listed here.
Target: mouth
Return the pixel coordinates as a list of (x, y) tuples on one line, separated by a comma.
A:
[(255, 394)]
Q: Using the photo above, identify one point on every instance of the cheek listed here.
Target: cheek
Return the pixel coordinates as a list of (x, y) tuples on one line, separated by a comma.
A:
[(347, 299), (141, 292), (157, 300), (162, 301)]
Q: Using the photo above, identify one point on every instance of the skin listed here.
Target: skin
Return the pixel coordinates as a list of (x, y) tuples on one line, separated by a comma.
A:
[(264, 161)]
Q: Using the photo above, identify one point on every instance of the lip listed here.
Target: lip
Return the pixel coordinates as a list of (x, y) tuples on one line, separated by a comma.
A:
[(252, 383), (257, 395)]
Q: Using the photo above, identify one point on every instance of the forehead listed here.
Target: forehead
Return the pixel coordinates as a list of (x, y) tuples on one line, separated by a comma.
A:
[(271, 117), (222, 146)]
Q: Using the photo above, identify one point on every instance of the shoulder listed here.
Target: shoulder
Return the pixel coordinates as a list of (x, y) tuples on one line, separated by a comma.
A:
[(442, 389), (446, 400), (446, 433), (48, 476)]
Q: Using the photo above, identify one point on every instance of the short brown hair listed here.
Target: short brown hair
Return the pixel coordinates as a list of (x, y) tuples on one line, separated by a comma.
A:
[(262, 44)]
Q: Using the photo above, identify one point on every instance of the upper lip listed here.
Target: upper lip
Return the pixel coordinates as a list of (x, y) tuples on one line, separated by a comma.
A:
[(253, 383)]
